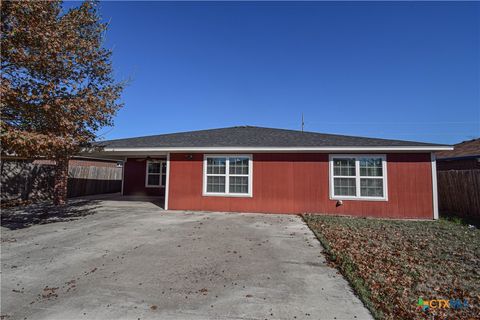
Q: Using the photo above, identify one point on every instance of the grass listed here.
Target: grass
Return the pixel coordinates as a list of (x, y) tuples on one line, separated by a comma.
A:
[(391, 264)]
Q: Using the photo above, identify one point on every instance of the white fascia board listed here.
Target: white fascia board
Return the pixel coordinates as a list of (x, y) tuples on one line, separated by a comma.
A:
[(279, 149)]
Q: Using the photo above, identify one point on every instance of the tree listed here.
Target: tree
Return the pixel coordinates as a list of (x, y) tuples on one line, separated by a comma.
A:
[(57, 86)]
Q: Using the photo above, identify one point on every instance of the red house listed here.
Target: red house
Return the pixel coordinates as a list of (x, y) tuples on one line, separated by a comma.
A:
[(254, 169)]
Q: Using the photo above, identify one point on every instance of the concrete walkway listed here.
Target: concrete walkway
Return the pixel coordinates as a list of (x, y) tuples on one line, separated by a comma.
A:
[(132, 260)]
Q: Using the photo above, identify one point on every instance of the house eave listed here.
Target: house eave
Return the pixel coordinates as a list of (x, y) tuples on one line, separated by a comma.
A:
[(272, 149)]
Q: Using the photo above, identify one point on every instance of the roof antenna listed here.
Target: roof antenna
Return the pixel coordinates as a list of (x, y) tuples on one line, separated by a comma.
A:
[(303, 123)]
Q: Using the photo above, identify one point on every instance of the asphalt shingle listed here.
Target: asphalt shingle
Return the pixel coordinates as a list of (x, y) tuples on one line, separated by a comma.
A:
[(249, 136), (470, 148)]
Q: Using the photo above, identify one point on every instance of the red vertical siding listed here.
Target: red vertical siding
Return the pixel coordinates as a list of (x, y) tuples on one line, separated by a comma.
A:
[(134, 179), (299, 183)]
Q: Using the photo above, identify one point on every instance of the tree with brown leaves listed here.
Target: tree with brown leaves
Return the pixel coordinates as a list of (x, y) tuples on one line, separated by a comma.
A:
[(57, 86)]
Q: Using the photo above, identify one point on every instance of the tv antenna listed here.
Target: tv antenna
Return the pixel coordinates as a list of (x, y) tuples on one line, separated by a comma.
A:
[(303, 122)]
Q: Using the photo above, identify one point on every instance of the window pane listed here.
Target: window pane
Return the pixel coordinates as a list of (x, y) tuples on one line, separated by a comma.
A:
[(344, 187), (216, 165), (164, 179), (371, 167), (238, 184), (238, 165), (344, 167), (216, 184), (164, 168), (153, 179), (153, 167), (371, 187)]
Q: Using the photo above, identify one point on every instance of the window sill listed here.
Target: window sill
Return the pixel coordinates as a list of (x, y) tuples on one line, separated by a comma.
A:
[(227, 195), (154, 186), (358, 199)]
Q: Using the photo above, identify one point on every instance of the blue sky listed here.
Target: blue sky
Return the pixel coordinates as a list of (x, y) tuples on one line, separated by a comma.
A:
[(393, 70)]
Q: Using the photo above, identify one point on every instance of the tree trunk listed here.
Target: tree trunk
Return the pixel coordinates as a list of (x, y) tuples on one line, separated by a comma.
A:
[(61, 179)]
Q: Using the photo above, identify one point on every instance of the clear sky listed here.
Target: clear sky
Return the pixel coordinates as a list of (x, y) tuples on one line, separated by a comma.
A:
[(393, 70)]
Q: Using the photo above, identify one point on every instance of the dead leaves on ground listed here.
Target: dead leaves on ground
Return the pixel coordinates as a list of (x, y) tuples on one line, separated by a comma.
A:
[(401, 261)]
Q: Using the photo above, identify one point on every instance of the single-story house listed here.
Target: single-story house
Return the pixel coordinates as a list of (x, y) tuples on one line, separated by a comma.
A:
[(255, 169), (466, 156)]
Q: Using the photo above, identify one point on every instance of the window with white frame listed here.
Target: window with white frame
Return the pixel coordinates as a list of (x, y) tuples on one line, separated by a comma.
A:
[(358, 177), (156, 174), (229, 175)]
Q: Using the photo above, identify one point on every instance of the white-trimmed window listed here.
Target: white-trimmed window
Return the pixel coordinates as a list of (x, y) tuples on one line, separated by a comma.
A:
[(227, 175), (358, 177), (156, 174)]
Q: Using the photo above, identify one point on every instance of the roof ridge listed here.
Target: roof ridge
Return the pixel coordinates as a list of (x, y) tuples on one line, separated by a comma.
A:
[(466, 141)]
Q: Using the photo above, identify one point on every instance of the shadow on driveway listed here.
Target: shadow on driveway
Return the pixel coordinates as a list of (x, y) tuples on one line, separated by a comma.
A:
[(44, 212)]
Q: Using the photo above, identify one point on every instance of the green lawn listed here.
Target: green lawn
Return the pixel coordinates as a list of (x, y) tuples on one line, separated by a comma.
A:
[(391, 264)]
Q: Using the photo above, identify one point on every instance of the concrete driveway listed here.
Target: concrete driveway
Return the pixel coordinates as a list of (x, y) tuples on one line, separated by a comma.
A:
[(132, 260)]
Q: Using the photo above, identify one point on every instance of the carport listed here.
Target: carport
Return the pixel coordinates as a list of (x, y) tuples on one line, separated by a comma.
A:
[(144, 176)]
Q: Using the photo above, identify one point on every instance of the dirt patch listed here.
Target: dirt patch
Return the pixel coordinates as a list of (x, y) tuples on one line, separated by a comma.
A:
[(49, 293)]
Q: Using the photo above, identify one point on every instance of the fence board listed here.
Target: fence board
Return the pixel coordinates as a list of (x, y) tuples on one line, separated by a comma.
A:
[(90, 180), (459, 193), (22, 179)]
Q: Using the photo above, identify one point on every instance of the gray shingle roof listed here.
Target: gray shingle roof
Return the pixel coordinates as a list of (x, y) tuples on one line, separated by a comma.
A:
[(256, 137), (464, 149)]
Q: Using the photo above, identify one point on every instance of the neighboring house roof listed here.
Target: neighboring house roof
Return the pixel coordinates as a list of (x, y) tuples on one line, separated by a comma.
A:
[(465, 149), (73, 161), (45, 160), (244, 137)]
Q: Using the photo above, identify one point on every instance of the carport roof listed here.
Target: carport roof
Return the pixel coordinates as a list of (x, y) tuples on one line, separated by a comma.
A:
[(245, 137)]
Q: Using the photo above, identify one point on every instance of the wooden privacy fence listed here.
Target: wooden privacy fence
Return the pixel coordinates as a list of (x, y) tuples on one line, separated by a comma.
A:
[(459, 193), (25, 180), (93, 180)]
